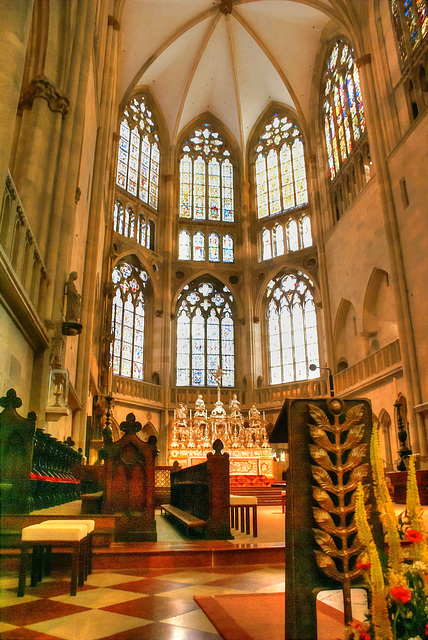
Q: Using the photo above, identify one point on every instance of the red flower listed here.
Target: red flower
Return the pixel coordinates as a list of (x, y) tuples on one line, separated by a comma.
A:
[(413, 535), (401, 594), (363, 565)]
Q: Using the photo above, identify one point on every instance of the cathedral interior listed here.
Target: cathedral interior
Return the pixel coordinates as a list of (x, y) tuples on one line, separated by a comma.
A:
[(221, 201)]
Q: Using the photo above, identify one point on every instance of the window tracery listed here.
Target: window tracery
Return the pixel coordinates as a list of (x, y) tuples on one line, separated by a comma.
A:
[(410, 18), (293, 235), (280, 168), (206, 177), (205, 335), (292, 328), (193, 247), (138, 155), (128, 321)]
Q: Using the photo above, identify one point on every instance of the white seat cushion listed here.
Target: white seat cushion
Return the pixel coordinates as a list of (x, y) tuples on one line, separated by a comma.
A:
[(66, 533), (242, 501), (90, 524)]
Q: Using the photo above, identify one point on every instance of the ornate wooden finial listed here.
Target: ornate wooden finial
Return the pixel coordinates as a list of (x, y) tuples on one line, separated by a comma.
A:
[(10, 400), (226, 6), (218, 446), (130, 425)]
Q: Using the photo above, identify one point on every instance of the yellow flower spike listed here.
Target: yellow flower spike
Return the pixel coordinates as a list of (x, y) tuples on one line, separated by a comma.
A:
[(378, 608), (384, 503)]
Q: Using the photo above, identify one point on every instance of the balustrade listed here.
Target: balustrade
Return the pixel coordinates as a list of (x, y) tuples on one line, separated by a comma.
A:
[(374, 365), (137, 389)]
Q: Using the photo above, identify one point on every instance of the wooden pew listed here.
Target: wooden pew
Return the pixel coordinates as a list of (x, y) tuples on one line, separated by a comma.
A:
[(200, 496)]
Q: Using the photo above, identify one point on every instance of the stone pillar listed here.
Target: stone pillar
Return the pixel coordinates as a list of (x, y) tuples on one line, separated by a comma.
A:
[(248, 257), (99, 205), (392, 235), (366, 343), (14, 29)]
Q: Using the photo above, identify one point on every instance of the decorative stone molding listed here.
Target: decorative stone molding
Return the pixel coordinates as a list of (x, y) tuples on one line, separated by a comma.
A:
[(10, 187), (41, 87), (366, 59), (256, 320), (112, 22), (241, 321), (159, 313), (77, 195)]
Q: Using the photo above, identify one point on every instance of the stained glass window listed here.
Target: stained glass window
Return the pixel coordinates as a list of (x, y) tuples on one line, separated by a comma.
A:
[(280, 167), (206, 177), (292, 328), (343, 114), (305, 231), (228, 250), (266, 245), (214, 247), (118, 216), (184, 245), (205, 335), (138, 155), (292, 236), (410, 19), (199, 246), (278, 232), (128, 315)]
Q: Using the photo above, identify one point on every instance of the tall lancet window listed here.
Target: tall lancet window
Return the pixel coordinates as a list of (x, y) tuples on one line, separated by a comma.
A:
[(343, 111), (205, 335), (206, 177), (292, 328), (138, 155), (280, 168), (127, 323)]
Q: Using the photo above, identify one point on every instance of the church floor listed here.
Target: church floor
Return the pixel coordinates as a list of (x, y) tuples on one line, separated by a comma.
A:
[(140, 604)]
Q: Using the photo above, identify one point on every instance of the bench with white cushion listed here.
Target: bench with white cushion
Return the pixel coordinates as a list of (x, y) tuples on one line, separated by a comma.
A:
[(90, 524), (48, 535)]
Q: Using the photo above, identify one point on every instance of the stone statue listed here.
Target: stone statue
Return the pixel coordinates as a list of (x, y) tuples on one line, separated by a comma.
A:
[(254, 413), (73, 309), (218, 409), (235, 406), (181, 413), (200, 406)]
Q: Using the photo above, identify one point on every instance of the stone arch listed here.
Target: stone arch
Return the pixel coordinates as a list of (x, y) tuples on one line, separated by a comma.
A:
[(377, 314), (346, 334)]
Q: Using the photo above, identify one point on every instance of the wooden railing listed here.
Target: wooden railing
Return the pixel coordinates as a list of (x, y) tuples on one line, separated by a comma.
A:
[(137, 389), (374, 365), (23, 275)]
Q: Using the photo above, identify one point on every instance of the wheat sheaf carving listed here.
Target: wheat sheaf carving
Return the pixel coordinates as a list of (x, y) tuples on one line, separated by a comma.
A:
[(337, 453)]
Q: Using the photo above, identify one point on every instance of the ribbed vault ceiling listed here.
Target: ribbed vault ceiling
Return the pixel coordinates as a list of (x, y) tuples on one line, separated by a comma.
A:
[(229, 58)]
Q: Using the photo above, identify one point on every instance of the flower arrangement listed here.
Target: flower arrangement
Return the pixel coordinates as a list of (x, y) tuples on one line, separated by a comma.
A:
[(397, 576)]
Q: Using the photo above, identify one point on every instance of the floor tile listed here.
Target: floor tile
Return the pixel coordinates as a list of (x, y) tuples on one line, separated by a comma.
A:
[(4, 626), (153, 607), (187, 592), (192, 620), (88, 625), (161, 631), (9, 597), (41, 609), (98, 598), (57, 588), (273, 588), (108, 579), (149, 585), (21, 633), (194, 577)]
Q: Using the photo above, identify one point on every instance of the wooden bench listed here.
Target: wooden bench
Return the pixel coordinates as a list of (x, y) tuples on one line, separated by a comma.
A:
[(92, 502), (189, 520)]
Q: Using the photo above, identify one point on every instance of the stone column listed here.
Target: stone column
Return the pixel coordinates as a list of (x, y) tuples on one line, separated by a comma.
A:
[(248, 254), (404, 319), (14, 29), (99, 206)]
